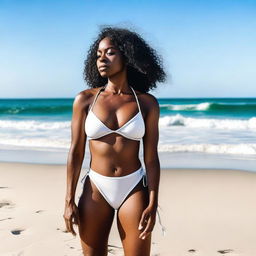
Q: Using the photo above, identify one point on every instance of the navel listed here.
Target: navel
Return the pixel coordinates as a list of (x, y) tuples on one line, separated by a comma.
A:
[(114, 170)]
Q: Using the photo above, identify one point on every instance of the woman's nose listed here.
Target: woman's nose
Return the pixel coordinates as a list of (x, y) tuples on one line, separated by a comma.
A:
[(102, 57)]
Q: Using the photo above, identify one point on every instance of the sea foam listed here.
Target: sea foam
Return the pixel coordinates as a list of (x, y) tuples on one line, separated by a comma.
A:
[(241, 149), (230, 124), (33, 125)]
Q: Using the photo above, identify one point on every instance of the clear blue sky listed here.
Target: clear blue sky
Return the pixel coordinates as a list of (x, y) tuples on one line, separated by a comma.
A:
[(208, 47)]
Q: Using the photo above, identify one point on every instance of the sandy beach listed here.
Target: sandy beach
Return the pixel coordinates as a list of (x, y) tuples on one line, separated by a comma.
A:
[(205, 212)]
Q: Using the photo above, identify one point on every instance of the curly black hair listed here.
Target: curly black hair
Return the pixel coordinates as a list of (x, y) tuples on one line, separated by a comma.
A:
[(144, 65)]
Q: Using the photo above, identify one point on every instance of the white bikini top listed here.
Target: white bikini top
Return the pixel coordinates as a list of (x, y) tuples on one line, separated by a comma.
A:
[(134, 129)]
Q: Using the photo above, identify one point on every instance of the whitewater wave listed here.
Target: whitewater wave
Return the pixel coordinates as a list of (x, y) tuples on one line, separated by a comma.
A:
[(44, 143), (64, 144), (166, 121), (241, 149), (230, 124), (188, 107), (211, 106), (33, 125)]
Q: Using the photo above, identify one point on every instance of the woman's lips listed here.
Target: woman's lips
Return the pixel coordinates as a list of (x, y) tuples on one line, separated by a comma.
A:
[(102, 68)]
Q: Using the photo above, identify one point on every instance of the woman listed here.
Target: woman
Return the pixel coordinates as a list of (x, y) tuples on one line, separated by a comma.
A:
[(114, 115)]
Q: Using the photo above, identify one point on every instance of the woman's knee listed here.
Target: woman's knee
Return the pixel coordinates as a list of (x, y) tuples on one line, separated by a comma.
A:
[(89, 250)]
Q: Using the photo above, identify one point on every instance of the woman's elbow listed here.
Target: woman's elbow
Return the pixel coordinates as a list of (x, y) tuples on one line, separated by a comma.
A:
[(76, 153), (152, 160)]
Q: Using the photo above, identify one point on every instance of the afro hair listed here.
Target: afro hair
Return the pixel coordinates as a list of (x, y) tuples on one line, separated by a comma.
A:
[(144, 66)]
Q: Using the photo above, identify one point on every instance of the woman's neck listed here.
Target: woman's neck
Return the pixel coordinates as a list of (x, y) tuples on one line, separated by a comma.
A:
[(118, 87)]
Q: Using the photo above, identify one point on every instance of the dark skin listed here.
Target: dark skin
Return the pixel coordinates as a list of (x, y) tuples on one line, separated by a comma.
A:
[(113, 155)]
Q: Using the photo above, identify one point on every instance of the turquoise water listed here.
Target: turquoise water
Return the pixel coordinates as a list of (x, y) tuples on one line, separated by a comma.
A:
[(205, 125), (36, 109), (61, 109), (242, 108)]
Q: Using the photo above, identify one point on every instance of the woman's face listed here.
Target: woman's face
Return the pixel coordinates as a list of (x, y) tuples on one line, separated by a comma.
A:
[(109, 59)]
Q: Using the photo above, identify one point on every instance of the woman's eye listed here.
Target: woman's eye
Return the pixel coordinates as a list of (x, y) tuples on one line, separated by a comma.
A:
[(108, 53)]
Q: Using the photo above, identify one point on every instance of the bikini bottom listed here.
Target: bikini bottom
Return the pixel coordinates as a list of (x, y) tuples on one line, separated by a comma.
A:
[(116, 189)]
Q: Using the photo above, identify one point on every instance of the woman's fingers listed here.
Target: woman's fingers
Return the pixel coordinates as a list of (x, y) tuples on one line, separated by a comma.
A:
[(142, 221), (72, 229), (150, 222), (70, 226), (71, 219), (147, 230)]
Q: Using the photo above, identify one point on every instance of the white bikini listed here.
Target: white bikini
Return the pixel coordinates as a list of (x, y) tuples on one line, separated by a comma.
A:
[(116, 189), (134, 129)]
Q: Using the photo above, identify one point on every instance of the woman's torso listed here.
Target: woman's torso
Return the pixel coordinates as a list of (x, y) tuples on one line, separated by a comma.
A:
[(114, 154)]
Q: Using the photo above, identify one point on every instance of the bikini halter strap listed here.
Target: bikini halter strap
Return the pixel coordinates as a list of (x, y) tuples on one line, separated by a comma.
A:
[(136, 98), (95, 98)]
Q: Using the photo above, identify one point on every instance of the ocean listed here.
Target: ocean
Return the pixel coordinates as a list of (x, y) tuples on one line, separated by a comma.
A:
[(223, 127)]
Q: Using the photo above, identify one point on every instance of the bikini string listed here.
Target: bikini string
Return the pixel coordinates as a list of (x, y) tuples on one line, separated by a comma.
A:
[(86, 174), (144, 180), (163, 229)]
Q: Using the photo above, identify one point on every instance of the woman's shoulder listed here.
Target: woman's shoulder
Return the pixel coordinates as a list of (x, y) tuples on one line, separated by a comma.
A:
[(148, 102), (85, 97), (147, 98), (88, 92)]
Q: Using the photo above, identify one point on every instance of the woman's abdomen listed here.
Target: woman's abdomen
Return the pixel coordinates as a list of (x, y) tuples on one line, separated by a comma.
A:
[(115, 157)]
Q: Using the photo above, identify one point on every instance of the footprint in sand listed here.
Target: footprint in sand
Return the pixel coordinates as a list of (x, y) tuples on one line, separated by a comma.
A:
[(114, 246), (10, 218), (113, 249), (225, 251), (17, 231), (39, 211), (6, 203)]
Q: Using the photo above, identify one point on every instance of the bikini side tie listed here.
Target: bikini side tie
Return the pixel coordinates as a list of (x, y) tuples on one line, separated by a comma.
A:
[(163, 229)]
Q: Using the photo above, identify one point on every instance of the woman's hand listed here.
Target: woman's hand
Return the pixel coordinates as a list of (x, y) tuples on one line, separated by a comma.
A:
[(147, 221), (71, 216)]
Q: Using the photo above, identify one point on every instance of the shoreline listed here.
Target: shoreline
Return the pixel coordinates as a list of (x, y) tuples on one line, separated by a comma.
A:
[(162, 168), (168, 160)]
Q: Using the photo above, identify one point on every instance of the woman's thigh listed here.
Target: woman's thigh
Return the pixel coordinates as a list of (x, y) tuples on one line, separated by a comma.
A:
[(128, 218), (96, 218)]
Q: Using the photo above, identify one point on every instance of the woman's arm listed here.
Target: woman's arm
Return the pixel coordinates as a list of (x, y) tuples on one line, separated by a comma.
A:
[(75, 159), (151, 160), (152, 165)]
